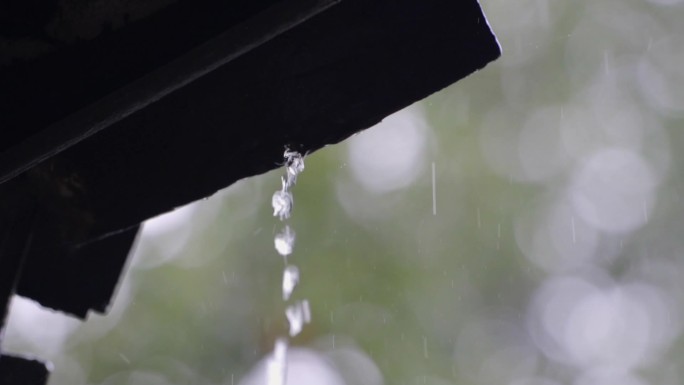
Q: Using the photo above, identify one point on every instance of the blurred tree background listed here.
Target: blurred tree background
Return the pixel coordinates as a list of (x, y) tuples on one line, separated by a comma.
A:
[(523, 226)]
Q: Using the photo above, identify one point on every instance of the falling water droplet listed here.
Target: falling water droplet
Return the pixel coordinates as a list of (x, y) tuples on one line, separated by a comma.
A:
[(282, 204), (290, 281), (574, 233), (277, 364), (425, 348), (298, 315), (434, 191), (294, 164), (644, 211), (284, 241)]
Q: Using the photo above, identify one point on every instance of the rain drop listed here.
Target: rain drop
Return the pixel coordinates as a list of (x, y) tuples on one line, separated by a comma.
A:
[(298, 315), (290, 280), (284, 241), (277, 364), (282, 204)]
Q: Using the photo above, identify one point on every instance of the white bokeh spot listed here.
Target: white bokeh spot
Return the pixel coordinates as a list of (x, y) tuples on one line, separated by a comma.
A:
[(390, 155)]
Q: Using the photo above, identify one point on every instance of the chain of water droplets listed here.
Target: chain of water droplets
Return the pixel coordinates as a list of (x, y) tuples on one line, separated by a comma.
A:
[(298, 313)]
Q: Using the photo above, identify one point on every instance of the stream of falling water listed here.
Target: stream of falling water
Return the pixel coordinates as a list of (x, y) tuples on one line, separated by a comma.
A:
[(298, 313)]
